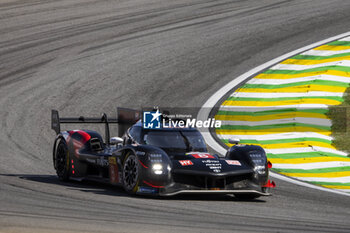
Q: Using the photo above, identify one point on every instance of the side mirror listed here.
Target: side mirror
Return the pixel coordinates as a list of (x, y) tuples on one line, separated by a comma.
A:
[(115, 140), (234, 141)]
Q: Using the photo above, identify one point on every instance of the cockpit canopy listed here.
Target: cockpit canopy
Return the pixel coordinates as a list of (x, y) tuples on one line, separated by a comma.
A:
[(169, 139)]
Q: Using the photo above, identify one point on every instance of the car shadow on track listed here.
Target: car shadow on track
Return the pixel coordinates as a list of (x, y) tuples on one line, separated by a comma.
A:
[(83, 186), (212, 197), (107, 189)]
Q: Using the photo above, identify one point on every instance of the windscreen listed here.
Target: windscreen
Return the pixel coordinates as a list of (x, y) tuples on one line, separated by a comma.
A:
[(186, 140), (195, 140)]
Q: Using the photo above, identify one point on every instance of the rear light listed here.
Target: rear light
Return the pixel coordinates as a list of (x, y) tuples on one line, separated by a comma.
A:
[(72, 167)]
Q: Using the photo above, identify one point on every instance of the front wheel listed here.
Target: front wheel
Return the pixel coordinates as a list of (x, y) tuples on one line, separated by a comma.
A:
[(130, 173), (62, 161)]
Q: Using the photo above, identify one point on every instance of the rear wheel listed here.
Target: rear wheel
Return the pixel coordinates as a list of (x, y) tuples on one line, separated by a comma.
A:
[(62, 160), (130, 173)]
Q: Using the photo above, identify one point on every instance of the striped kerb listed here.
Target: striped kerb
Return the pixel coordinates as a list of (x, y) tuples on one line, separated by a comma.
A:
[(284, 110)]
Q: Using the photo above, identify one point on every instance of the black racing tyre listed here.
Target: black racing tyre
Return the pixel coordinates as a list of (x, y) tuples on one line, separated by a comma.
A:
[(131, 173), (62, 163)]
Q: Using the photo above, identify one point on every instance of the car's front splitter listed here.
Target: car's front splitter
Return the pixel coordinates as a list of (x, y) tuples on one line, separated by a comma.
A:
[(215, 192)]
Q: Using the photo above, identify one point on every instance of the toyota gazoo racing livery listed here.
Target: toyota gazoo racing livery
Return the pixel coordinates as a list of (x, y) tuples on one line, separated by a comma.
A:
[(164, 162)]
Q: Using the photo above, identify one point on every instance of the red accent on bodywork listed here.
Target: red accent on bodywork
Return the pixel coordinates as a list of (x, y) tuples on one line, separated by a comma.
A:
[(270, 184), (153, 186), (185, 162), (203, 156), (233, 162), (85, 136), (143, 164), (78, 144), (269, 164)]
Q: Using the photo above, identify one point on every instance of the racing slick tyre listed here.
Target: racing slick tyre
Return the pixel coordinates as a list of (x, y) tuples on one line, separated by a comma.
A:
[(130, 173), (61, 160)]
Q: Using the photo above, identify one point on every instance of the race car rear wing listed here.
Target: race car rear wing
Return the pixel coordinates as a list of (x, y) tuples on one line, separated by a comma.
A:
[(126, 118)]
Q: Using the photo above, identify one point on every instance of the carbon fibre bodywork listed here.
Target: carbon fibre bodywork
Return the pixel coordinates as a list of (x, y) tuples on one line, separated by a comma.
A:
[(162, 171)]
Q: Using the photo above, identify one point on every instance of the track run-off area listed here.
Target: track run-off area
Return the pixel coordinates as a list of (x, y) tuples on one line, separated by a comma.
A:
[(86, 57), (284, 109)]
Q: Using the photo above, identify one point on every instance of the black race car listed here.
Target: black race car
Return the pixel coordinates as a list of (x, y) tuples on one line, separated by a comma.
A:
[(163, 162)]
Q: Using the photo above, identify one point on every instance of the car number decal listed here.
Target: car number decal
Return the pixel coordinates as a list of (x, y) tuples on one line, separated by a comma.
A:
[(201, 155)]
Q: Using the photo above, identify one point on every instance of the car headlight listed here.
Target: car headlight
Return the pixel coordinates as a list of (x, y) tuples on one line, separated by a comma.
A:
[(155, 158), (260, 169), (258, 159), (157, 169)]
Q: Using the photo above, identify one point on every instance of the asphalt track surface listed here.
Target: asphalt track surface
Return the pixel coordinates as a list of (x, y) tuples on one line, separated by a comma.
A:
[(86, 57)]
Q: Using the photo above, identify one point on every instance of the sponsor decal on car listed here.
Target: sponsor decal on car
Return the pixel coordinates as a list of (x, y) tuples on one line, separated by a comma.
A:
[(185, 162), (233, 162), (113, 170), (199, 155), (112, 160), (103, 162), (214, 165), (147, 190)]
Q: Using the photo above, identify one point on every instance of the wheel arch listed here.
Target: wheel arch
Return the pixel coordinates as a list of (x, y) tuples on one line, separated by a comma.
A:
[(54, 149), (126, 152)]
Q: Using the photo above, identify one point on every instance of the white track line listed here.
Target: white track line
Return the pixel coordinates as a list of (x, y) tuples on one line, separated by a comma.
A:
[(305, 150), (277, 136), (204, 112), (303, 120), (325, 53), (345, 39), (267, 108), (296, 80), (344, 190), (311, 165), (286, 94), (343, 179), (301, 183), (305, 67)]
